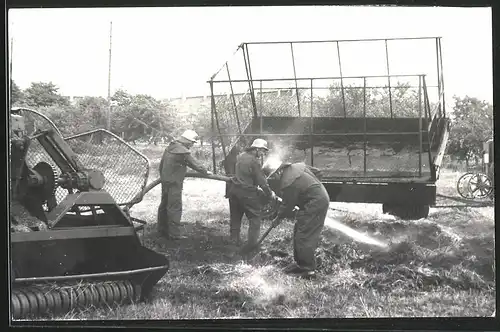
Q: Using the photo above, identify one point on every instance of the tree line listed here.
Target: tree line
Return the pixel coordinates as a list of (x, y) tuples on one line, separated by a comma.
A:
[(133, 117), (144, 118)]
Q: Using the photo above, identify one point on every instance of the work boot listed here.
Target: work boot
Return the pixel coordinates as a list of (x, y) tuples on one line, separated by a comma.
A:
[(234, 243), (249, 248), (295, 269), (235, 238)]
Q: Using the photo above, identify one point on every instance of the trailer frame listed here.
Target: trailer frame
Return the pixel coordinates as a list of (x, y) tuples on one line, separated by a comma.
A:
[(407, 196)]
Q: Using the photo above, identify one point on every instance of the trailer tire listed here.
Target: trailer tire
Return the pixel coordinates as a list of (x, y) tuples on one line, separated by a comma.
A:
[(407, 212)]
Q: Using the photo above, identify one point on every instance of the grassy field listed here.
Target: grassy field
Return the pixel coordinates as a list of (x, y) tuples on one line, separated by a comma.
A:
[(439, 266)]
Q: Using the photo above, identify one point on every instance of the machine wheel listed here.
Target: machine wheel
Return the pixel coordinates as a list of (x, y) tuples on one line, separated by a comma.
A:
[(480, 186), (408, 212), (463, 188)]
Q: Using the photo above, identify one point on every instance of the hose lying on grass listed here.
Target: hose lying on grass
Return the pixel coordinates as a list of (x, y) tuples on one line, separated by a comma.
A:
[(138, 198)]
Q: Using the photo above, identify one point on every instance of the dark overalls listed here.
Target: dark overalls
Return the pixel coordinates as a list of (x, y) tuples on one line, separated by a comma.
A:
[(300, 187), (245, 198), (173, 166)]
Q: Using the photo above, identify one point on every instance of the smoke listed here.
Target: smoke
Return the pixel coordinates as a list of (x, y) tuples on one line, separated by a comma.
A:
[(272, 162)]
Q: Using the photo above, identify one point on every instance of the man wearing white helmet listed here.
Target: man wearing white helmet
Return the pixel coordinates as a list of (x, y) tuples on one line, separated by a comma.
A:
[(243, 192), (176, 158)]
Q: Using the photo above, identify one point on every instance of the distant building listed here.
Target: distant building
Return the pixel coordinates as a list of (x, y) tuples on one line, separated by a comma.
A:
[(193, 104), (75, 99)]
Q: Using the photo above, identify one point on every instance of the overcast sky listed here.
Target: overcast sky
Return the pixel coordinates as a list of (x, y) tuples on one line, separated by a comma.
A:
[(165, 52)]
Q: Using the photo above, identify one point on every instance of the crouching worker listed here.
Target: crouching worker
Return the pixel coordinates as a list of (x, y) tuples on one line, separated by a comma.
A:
[(300, 187), (243, 192), (176, 158)]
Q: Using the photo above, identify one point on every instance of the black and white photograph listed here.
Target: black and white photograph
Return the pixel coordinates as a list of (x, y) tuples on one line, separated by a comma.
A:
[(250, 162)]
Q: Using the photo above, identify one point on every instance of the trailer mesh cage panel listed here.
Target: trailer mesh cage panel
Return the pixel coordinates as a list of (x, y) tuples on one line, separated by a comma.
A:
[(369, 109)]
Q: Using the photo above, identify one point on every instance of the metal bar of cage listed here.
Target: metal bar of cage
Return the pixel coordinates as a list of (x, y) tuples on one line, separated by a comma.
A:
[(213, 128), (314, 78), (341, 80), (220, 134), (311, 127), (261, 123), (438, 69), (337, 40), (428, 118), (234, 53), (388, 77), (349, 87), (295, 76), (233, 100), (420, 127), (364, 127), (249, 78), (442, 77), (252, 92)]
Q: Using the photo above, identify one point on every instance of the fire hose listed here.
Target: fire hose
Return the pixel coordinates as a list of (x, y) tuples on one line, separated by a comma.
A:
[(138, 198), (156, 182)]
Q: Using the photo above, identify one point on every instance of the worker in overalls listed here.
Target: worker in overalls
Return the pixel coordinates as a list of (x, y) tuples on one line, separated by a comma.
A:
[(175, 159), (300, 187), (244, 192)]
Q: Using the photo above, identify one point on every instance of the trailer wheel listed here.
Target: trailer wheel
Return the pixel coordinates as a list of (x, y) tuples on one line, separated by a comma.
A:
[(408, 212)]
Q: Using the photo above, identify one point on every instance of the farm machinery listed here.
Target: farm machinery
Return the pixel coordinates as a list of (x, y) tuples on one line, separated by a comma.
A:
[(479, 185), (346, 107), (72, 245)]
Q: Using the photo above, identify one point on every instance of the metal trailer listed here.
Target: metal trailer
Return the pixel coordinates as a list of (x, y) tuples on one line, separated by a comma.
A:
[(377, 133)]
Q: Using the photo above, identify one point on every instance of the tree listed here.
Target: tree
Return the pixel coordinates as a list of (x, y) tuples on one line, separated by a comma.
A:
[(141, 117), (93, 111), (41, 94), (17, 95), (472, 125), (375, 101)]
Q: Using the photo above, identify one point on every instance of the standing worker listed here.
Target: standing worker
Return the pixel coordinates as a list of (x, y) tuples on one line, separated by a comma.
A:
[(243, 192), (300, 187), (175, 159)]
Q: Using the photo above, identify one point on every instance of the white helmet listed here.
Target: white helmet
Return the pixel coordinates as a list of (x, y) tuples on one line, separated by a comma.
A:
[(190, 135), (259, 143)]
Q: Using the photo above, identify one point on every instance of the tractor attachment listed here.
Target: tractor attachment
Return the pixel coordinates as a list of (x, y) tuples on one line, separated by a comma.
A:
[(72, 246)]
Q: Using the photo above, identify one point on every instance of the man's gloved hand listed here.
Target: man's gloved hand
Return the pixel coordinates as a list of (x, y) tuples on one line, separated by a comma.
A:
[(273, 195)]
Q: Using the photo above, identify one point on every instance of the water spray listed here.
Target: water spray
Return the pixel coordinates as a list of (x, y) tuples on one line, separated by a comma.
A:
[(352, 233)]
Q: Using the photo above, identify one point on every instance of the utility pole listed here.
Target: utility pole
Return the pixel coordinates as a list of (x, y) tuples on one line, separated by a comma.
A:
[(109, 77)]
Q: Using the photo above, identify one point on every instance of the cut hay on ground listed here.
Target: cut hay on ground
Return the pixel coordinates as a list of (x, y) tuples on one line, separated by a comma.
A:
[(442, 265)]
